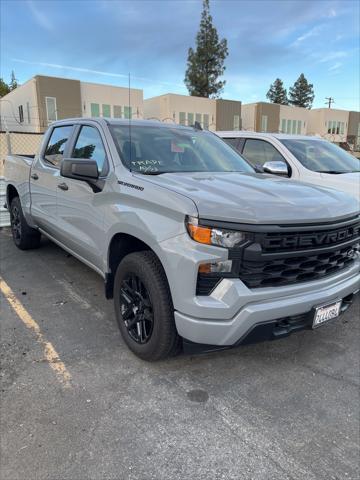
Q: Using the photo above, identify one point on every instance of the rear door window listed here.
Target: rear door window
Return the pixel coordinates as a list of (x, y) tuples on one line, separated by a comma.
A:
[(258, 152), (233, 142), (56, 145)]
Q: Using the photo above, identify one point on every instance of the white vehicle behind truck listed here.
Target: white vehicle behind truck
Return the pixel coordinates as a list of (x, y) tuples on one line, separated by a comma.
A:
[(299, 157)]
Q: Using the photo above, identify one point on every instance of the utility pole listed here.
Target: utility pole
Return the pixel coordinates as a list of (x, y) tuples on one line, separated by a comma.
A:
[(329, 101)]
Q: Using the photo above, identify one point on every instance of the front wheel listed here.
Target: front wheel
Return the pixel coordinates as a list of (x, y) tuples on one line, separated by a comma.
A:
[(143, 307), (24, 236)]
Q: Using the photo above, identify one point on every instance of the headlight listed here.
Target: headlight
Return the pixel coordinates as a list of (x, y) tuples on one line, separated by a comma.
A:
[(213, 236)]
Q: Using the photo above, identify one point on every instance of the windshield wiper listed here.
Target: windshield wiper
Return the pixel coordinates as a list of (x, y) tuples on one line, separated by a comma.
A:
[(336, 172), (153, 173)]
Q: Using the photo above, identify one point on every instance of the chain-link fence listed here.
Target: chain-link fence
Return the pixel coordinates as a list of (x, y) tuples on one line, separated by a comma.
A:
[(18, 143)]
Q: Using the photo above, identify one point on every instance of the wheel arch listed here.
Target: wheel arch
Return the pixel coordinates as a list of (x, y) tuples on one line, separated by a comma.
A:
[(11, 193), (123, 244)]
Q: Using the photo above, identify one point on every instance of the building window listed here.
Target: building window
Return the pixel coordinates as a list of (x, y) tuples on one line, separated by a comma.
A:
[(283, 126), (128, 112), (288, 126), (357, 139), (182, 118), (95, 109), (198, 118), (206, 121), (28, 112), (236, 123), (190, 119), (117, 111), (298, 127), (335, 127), (264, 123), (106, 112), (21, 114), (51, 110)]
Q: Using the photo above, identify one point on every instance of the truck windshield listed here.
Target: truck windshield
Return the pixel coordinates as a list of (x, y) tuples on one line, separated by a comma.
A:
[(322, 156), (154, 150)]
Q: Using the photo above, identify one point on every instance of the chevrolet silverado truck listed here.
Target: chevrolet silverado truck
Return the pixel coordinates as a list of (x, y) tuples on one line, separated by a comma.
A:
[(196, 249)]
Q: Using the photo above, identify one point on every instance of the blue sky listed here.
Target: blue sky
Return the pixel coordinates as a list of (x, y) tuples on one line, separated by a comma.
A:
[(101, 41)]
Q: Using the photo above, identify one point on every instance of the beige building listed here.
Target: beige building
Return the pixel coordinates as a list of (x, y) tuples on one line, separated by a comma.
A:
[(272, 117), (110, 101), (41, 100), (353, 133), (212, 114), (329, 123), (332, 124), (19, 108)]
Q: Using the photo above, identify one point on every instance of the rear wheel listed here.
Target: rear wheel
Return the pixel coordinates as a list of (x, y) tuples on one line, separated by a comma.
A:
[(144, 308), (24, 236)]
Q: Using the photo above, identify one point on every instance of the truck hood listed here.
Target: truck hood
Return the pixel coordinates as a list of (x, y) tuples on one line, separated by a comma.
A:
[(258, 198), (346, 182)]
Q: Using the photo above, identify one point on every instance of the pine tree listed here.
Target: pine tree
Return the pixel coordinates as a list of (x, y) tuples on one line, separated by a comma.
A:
[(4, 88), (205, 64), (302, 93), (277, 93), (13, 82)]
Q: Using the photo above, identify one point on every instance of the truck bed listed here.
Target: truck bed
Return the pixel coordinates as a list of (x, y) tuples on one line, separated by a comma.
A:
[(17, 170)]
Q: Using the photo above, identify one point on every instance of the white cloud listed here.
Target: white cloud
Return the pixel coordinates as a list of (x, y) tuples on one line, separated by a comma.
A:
[(40, 16), (94, 72), (313, 32), (334, 67), (332, 13), (334, 56)]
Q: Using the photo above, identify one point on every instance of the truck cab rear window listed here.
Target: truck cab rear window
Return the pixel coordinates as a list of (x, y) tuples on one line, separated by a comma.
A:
[(56, 145)]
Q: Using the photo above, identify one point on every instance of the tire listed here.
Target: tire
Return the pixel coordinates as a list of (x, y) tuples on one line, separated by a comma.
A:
[(144, 308), (24, 236)]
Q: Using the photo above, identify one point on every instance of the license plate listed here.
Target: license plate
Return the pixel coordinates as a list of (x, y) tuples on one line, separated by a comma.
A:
[(326, 312)]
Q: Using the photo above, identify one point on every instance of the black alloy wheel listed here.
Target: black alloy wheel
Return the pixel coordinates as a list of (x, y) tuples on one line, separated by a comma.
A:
[(24, 236), (143, 307), (136, 309), (15, 221)]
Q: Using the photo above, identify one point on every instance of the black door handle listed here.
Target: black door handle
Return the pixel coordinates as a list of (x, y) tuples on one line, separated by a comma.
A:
[(35, 176), (63, 186)]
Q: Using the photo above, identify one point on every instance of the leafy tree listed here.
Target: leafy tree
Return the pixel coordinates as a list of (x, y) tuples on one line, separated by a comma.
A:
[(4, 88), (302, 93), (13, 81), (205, 64), (277, 93)]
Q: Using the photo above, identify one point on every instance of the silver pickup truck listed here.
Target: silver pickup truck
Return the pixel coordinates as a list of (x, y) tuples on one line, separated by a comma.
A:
[(195, 248)]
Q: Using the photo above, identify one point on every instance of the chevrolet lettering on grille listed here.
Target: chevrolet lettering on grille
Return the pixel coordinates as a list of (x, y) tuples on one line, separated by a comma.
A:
[(316, 239)]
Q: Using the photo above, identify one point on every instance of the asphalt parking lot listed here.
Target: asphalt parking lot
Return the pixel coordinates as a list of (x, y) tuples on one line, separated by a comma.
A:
[(279, 410)]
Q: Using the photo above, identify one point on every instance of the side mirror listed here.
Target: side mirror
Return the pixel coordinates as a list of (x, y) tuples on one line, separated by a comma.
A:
[(79, 169), (276, 168)]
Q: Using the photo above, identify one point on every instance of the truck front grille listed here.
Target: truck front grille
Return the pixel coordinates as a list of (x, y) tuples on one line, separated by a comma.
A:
[(302, 268), (283, 255)]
